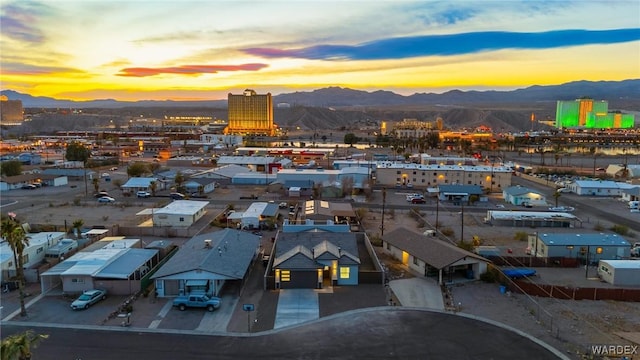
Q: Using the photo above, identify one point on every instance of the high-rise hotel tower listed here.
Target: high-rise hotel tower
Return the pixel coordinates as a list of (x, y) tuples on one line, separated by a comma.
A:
[(250, 114)]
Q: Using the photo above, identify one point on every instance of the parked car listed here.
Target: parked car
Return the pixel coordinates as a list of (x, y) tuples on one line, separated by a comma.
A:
[(418, 201), (177, 196), (197, 301), (100, 194), (143, 194), (29, 187), (106, 199), (283, 205), (113, 168), (88, 298)]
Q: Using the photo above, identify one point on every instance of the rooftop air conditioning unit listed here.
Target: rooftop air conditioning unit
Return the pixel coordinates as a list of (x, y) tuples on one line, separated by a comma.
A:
[(207, 243)]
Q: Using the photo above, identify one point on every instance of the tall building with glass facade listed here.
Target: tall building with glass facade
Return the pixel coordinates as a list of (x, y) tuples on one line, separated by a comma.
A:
[(250, 114), (11, 111), (589, 114)]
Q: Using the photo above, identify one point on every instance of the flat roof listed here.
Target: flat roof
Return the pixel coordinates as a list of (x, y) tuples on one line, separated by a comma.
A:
[(623, 264), (589, 239), (182, 207), (126, 264), (529, 215)]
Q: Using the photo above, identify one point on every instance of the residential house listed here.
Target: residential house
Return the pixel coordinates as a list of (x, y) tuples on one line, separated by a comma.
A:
[(257, 214), (520, 195), (178, 213), (338, 212), (312, 259), (199, 186), (206, 262), (431, 256), (33, 254), (136, 184), (117, 266)]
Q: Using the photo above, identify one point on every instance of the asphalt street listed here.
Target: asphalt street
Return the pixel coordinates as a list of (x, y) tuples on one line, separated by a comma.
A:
[(375, 333)]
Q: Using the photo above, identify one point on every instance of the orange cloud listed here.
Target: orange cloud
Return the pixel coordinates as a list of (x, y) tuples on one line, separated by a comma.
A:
[(189, 69)]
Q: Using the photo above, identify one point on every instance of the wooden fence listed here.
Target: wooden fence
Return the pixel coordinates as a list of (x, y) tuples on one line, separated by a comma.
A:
[(571, 293)]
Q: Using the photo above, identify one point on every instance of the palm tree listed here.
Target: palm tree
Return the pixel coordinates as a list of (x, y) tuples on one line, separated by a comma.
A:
[(96, 184), (77, 225), (13, 232), (556, 196), (153, 187), (18, 346)]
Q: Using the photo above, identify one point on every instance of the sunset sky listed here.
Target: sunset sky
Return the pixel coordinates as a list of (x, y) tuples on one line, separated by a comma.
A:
[(202, 50)]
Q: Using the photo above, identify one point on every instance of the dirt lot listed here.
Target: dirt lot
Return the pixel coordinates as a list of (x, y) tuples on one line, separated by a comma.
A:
[(571, 326)]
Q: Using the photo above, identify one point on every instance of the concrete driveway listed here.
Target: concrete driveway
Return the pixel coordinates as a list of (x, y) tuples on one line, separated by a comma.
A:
[(418, 292), (296, 306)]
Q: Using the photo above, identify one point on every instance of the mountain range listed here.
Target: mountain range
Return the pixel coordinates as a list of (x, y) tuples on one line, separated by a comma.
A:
[(345, 97)]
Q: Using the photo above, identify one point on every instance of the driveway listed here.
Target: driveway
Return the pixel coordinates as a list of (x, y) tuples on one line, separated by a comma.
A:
[(296, 306), (418, 292)]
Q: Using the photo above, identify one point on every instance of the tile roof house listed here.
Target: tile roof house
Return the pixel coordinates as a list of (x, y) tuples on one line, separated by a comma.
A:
[(206, 262), (431, 256)]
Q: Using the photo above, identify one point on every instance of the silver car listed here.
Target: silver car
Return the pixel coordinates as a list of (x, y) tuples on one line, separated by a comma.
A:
[(88, 298)]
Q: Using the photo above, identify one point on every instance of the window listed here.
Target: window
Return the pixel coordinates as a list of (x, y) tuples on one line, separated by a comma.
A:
[(344, 272), (39, 250), (181, 219), (285, 275), (388, 246), (398, 172), (77, 280), (416, 261), (25, 259), (414, 173)]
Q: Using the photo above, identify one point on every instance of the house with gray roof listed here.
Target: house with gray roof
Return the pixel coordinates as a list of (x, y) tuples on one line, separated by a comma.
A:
[(135, 184), (315, 259), (199, 186), (433, 257), (632, 194), (206, 262)]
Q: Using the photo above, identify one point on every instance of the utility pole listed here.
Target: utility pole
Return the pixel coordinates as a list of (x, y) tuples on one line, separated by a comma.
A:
[(384, 200), (437, 209), (462, 222)]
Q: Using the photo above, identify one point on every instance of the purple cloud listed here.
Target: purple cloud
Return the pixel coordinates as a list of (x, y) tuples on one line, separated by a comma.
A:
[(189, 69)]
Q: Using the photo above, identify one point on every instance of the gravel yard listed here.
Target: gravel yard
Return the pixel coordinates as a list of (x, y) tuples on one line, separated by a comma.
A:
[(568, 325)]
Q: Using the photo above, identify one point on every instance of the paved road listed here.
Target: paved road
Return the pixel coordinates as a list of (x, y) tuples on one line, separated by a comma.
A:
[(378, 333)]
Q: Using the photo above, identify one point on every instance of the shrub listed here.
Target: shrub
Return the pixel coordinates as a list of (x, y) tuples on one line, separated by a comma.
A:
[(521, 236), (598, 227), (620, 229), (447, 231), (489, 276)]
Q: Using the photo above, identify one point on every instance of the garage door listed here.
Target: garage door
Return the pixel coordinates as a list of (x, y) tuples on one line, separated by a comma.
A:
[(301, 280)]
